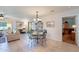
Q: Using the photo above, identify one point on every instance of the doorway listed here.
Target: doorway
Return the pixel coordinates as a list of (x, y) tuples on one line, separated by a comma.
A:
[(69, 29)]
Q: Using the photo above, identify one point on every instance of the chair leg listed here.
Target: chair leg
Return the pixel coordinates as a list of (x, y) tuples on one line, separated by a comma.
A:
[(44, 42)]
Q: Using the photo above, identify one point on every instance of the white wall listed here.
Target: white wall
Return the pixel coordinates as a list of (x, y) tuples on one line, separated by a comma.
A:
[(55, 33)]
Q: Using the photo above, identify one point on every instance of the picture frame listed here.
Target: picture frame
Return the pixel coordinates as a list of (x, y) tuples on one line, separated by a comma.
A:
[(50, 23)]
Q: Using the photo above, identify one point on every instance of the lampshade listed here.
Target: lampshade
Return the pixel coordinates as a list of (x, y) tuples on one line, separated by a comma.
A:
[(73, 26), (37, 18), (1, 16), (34, 19)]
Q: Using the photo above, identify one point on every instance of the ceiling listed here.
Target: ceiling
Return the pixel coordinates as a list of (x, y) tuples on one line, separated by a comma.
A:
[(30, 11)]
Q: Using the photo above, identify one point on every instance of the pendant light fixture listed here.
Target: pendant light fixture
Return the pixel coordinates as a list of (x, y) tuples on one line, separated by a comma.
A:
[(1, 16), (37, 18)]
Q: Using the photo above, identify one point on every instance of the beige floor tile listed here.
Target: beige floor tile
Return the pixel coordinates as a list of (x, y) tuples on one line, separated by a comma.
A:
[(22, 45)]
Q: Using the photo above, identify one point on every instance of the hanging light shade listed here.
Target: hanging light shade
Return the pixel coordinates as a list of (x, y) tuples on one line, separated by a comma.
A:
[(1, 16), (37, 18)]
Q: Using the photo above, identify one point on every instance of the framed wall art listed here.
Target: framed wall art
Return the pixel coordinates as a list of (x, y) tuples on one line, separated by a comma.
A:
[(50, 23)]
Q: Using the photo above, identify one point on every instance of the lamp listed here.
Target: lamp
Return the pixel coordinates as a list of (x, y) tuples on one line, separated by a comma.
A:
[(73, 26), (1, 16), (37, 18)]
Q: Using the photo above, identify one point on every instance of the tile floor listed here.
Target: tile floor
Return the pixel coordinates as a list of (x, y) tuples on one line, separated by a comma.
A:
[(23, 45)]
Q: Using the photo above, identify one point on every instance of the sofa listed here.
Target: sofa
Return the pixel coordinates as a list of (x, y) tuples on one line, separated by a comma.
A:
[(13, 36)]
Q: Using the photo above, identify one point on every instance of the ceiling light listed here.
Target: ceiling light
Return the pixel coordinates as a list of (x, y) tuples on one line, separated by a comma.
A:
[(37, 18)]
